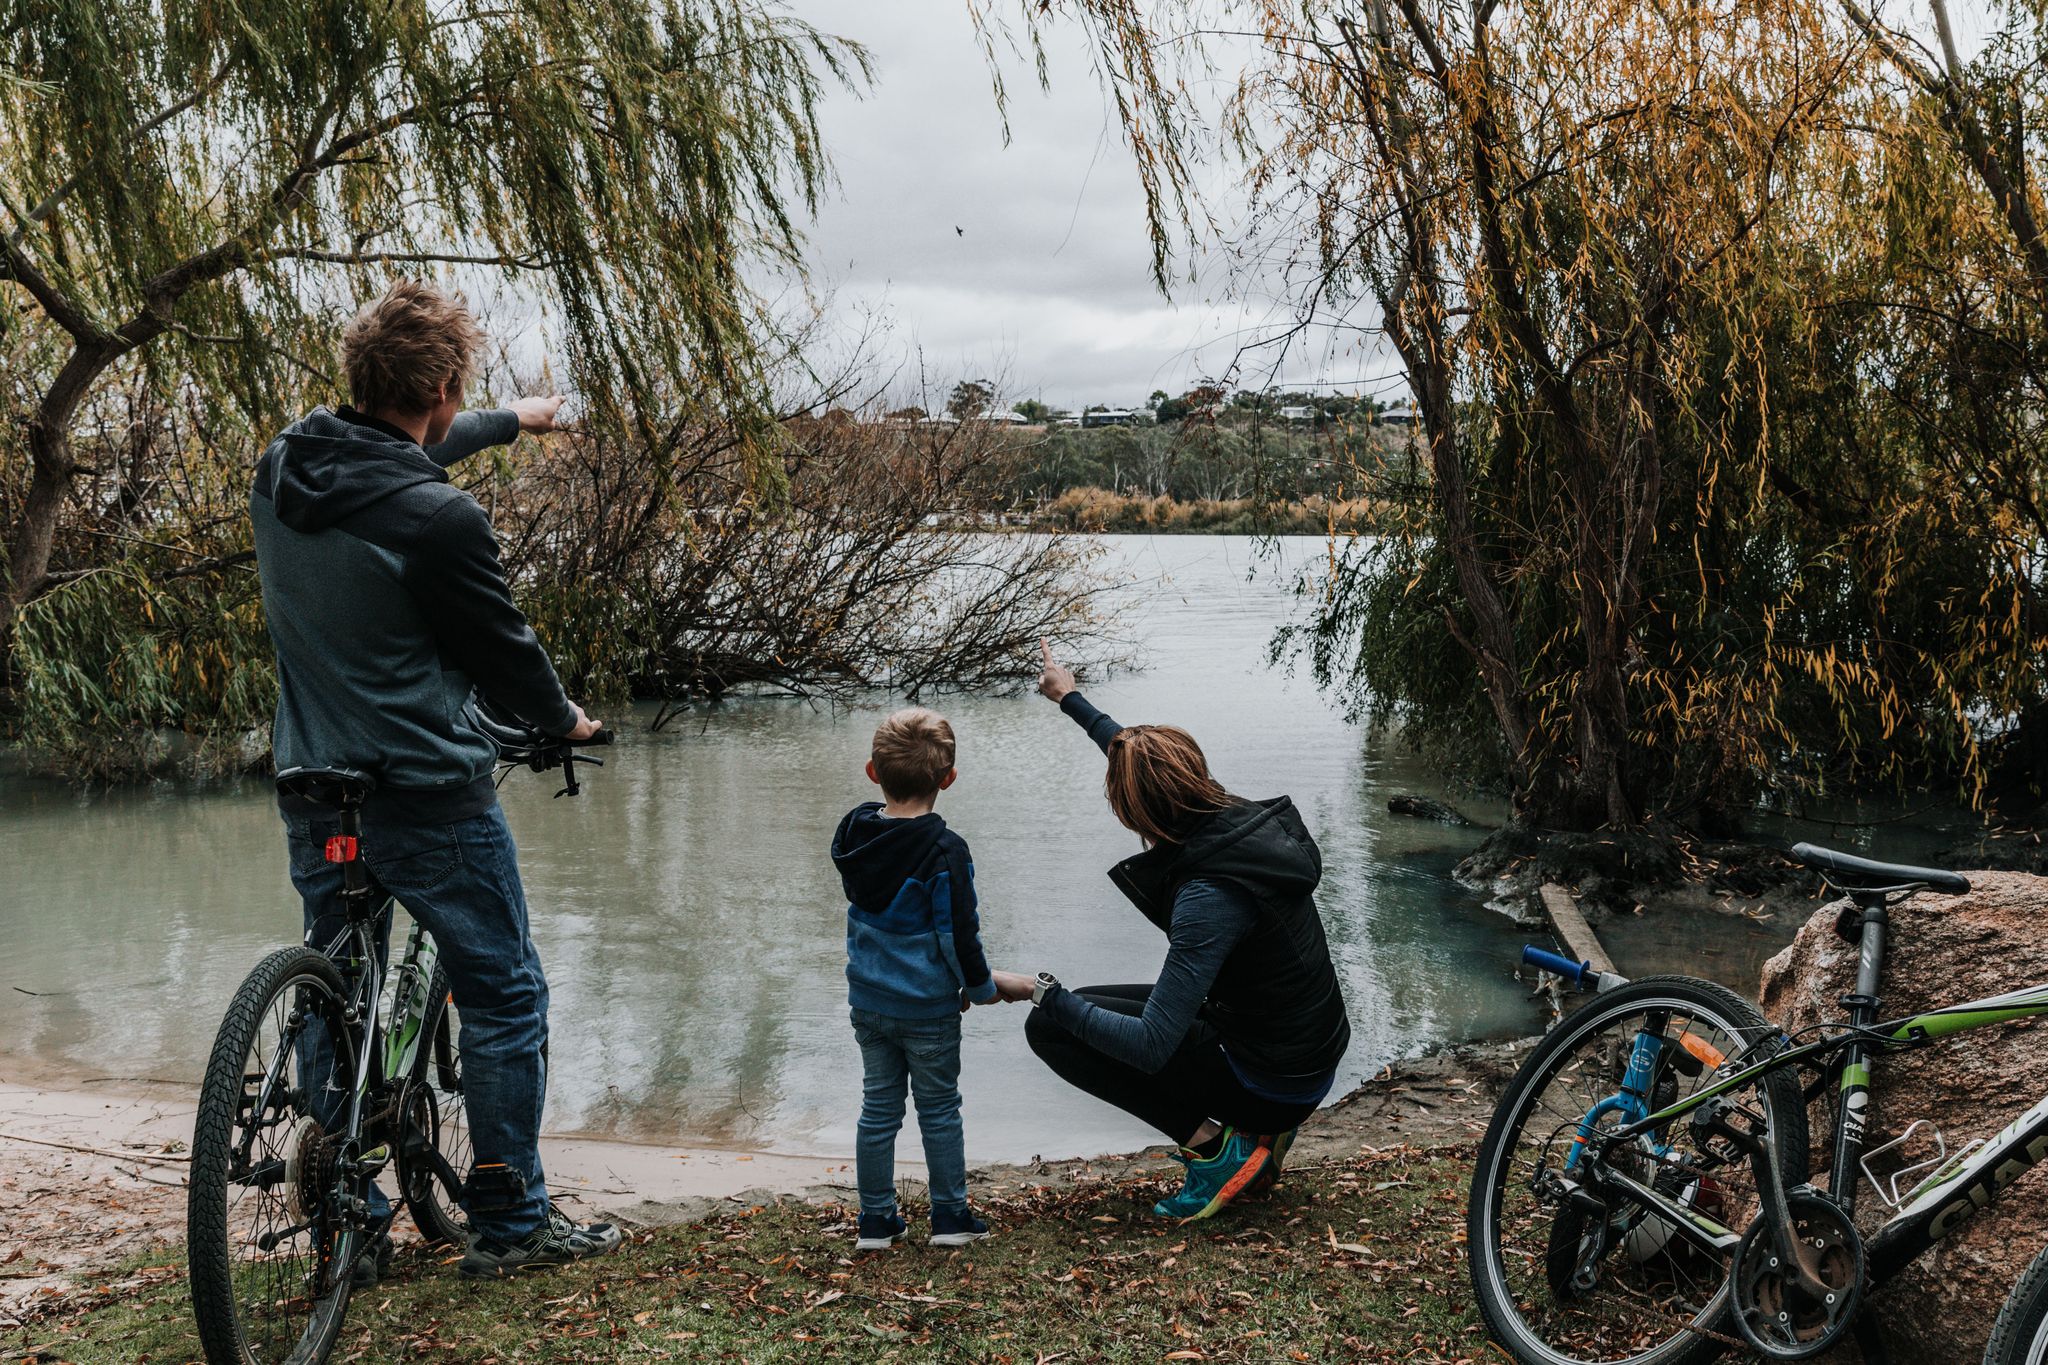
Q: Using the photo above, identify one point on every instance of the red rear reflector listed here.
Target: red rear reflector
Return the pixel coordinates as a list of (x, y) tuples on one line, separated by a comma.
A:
[(341, 849)]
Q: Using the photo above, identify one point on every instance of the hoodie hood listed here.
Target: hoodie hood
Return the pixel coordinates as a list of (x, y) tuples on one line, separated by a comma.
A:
[(325, 468), (1260, 847), (874, 853)]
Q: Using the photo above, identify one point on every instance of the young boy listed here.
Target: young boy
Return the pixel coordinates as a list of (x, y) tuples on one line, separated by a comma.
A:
[(913, 966)]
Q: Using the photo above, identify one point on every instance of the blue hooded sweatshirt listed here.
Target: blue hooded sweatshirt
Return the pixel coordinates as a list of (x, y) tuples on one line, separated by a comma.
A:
[(913, 941)]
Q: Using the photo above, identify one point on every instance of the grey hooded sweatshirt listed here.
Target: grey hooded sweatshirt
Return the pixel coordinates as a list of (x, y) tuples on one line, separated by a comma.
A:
[(386, 603)]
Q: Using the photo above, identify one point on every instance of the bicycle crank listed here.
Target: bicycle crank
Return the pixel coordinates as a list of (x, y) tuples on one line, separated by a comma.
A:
[(1777, 1312)]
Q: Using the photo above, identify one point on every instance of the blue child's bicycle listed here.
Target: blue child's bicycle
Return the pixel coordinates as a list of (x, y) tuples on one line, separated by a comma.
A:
[(1642, 1195)]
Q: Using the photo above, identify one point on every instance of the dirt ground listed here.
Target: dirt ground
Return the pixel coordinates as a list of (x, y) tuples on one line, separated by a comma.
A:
[(88, 1181)]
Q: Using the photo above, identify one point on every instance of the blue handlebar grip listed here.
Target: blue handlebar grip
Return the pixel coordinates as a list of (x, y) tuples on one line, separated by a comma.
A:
[(1578, 973)]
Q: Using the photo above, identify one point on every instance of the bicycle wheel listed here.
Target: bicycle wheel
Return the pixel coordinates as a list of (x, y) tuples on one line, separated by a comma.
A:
[(1558, 1285), (266, 1245), (433, 1146), (2020, 1336)]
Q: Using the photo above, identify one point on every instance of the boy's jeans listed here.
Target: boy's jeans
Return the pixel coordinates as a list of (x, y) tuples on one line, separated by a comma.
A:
[(461, 881), (926, 1053)]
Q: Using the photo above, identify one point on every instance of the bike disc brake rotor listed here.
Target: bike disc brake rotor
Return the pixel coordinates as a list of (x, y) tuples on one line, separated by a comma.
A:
[(1775, 1315)]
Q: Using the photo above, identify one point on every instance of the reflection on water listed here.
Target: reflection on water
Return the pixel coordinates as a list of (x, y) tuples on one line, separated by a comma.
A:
[(692, 924)]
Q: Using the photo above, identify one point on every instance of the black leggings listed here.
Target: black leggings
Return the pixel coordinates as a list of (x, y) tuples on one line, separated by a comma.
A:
[(1197, 1082)]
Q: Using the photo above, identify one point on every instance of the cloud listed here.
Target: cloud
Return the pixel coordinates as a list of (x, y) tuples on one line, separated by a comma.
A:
[(1028, 260)]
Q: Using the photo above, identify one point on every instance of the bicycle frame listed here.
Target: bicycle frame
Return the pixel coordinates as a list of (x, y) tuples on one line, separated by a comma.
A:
[(1933, 1209), (359, 949)]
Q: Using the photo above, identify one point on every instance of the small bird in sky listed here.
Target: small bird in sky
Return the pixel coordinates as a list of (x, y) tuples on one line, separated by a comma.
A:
[(959, 231)]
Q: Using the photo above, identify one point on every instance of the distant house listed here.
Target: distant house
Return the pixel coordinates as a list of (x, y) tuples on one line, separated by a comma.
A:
[(1396, 417), (1012, 419), (1298, 412), (1118, 417)]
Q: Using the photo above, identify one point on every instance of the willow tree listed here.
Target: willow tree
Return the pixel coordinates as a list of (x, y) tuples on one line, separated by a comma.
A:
[(1676, 545), (1956, 148), (191, 192)]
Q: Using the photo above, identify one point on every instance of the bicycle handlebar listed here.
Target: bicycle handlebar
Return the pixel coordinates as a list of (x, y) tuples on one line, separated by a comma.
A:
[(524, 745), (1581, 976)]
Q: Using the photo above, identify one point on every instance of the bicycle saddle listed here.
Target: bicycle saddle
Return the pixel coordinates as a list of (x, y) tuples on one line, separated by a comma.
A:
[(341, 788), (1850, 872)]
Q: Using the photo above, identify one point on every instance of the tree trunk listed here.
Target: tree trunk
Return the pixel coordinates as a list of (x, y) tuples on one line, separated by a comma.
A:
[(49, 443)]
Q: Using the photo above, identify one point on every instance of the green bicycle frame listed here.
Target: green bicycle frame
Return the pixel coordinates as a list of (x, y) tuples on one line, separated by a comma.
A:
[(1933, 1209)]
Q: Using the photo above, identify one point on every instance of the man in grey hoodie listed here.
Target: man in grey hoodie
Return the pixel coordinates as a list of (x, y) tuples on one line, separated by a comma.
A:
[(387, 605)]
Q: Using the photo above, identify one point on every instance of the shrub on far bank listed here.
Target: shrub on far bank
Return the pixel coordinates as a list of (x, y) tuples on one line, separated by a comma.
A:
[(1101, 510)]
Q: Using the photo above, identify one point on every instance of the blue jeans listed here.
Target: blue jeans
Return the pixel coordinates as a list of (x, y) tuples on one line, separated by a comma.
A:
[(461, 881), (926, 1054)]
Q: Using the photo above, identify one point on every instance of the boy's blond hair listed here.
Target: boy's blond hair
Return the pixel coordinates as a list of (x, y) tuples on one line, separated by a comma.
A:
[(913, 752), (403, 346)]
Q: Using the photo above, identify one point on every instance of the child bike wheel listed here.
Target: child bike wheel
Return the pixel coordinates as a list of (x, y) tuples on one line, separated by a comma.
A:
[(2020, 1336), (267, 1253), (1561, 1285), (434, 1151)]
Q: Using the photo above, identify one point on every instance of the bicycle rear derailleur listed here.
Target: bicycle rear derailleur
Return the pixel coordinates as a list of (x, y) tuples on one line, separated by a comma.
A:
[(1794, 1308)]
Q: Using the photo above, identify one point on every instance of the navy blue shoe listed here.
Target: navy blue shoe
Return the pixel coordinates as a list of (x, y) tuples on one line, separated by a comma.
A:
[(956, 1227), (880, 1231)]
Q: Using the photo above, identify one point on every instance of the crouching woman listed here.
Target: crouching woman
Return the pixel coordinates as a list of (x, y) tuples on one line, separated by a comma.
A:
[(1239, 1039)]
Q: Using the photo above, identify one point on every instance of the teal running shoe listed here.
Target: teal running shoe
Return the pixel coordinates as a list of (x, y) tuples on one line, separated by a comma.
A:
[(1214, 1181), (1278, 1145)]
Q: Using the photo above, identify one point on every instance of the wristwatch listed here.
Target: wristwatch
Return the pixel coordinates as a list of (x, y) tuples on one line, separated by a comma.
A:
[(1046, 981)]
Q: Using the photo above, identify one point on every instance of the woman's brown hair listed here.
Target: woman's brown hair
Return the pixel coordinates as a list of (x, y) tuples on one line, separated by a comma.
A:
[(1159, 782)]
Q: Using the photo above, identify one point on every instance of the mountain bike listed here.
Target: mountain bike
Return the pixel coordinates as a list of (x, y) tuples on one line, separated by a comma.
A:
[(320, 1079), (1642, 1195)]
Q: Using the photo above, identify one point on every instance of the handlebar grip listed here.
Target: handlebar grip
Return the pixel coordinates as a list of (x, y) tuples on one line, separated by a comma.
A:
[(601, 737), (1579, 974)]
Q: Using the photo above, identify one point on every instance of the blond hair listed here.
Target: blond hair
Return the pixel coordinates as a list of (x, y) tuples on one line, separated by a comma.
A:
[(913, 752), (404, 346), (1158, 782)]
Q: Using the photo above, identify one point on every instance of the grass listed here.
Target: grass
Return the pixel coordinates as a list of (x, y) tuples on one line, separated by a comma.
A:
[(1359, 1260)]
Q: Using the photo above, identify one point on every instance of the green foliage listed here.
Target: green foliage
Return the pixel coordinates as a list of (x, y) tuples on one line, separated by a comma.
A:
[(122, 675), (1229, 460), (212, 184)]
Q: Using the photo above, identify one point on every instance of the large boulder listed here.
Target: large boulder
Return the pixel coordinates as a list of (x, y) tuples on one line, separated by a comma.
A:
[(1943, 950)]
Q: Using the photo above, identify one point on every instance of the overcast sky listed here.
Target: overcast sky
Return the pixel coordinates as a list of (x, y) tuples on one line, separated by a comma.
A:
[(1026, 263)]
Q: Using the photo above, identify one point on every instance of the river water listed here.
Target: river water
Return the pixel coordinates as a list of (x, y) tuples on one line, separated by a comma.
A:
[(691, 921)]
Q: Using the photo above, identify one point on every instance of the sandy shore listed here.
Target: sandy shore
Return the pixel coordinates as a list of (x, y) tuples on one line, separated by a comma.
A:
[(92, 1176), (89, 1177)]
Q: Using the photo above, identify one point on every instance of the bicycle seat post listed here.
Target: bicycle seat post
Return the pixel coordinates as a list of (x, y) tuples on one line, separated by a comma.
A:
[(355, 879), (1871, 921)]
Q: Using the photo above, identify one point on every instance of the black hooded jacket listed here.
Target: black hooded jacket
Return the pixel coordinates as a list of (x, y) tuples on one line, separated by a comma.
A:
[(1275, 1000), (386, 603), (1246, 951)]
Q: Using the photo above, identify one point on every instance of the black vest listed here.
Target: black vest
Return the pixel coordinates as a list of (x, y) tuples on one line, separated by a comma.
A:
[(1276, 1001)]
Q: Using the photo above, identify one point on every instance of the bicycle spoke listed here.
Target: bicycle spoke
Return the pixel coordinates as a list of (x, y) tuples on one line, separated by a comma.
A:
[(265, 1237), (1608, 1280)]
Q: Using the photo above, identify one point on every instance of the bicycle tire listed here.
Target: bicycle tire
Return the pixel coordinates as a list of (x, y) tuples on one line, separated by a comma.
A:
[(2020, 1336), (435, 1085), (225, 1330), (1780, 1093)]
